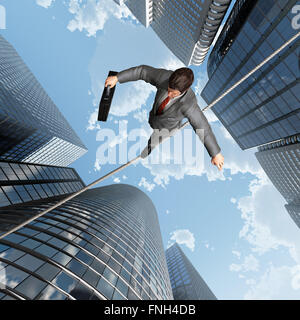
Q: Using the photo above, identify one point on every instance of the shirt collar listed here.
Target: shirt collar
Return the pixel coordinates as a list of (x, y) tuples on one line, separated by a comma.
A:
[(179, 96)]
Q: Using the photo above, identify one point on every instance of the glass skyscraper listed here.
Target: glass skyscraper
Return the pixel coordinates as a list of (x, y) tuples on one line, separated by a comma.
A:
[(294, 212), (186, 282), (281, 162), (142, 10), (104, 244), (28, 183), (187, 27), (265, 107), (32, 129)]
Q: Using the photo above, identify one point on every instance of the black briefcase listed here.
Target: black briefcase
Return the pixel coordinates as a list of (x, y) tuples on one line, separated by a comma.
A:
[(106, 99)]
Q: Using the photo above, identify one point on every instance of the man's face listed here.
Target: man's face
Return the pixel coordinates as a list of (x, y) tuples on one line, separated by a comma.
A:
[(172, 93)]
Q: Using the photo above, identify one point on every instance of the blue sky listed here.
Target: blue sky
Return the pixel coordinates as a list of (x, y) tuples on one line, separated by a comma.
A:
[(232, 225)]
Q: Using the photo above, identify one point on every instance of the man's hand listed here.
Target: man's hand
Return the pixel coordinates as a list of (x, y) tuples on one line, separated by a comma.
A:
[(218, 160), (111, 81)]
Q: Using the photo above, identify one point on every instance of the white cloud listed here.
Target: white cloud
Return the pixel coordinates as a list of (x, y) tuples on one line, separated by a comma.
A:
[(117, 180), (233, 200), (92, 15), (250, 282), (163, 172), (183, 236), (207, 245), (267, 225), (122, 136), (124, 177), (97, 166), (167, 211), (250, 263), (148, 186), (236, 253), (227, 135), (277, 283), (235, 267), (93, 123), (45, 3), (172, 64), (132, 99), (236, 161), (141, 115)]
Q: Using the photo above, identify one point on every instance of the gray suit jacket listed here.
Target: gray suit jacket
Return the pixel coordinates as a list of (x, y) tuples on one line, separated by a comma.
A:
[(185, 107)]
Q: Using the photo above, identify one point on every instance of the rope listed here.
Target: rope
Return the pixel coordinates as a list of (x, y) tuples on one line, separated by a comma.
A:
[(138, 157)]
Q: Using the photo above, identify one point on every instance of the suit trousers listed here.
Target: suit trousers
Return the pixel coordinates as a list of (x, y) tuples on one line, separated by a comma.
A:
[(156, 138)]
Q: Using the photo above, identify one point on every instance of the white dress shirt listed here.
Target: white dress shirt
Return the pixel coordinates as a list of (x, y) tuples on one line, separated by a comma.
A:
[(171, 101)]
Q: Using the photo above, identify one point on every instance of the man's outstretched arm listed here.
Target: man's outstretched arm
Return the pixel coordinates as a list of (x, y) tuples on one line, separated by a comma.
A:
[(198, 121), (149, 74)]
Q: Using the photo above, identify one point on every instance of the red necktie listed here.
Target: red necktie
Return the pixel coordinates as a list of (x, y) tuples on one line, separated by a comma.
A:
[(162, 106)]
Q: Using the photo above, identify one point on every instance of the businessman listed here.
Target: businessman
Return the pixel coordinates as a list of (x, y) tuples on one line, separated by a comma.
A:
[(174, 101)]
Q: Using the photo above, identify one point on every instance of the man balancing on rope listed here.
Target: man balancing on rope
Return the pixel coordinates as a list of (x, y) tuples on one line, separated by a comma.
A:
[(174, 101)]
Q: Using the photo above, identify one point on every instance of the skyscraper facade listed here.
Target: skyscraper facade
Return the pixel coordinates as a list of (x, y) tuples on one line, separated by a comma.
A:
[(186, 282), (281, 162), (294, 212), (32, 129), (29, 183), (103, 244), (187, 27), (265, 107), (142, 10)]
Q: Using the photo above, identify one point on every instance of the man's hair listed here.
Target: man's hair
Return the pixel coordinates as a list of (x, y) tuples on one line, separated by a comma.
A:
[(181, 79)]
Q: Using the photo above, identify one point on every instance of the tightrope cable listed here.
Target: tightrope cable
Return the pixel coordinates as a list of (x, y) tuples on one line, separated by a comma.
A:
[(138, 157)]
